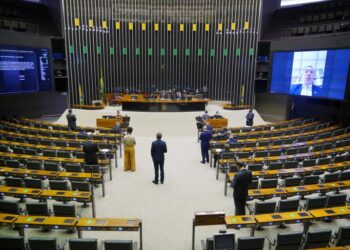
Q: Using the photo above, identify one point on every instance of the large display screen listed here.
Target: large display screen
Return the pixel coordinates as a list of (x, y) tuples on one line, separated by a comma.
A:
[(316, 73), (24, 69)]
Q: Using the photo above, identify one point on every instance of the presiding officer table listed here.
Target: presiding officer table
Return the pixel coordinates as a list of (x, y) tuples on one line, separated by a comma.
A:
[(164, 105)]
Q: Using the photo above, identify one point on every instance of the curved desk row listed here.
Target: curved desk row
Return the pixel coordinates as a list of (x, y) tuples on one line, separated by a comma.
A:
[(81, 224), (253, 221)]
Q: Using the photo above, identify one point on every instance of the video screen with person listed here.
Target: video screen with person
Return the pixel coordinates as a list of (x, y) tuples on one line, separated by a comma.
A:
[(320, 73)]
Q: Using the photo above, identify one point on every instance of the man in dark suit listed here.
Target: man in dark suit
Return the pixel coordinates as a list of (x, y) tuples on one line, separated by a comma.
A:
[(240, 185), (157, 152), (205, 138), (71, 120), (307, 88), (90, 149)]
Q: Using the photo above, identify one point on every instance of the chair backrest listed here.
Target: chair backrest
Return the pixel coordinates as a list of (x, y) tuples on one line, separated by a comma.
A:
[(13, 164), (309, 163), (255, 167), (275, 152), (118, 244), (290, 164), (339, 158), (343, 238), (275, 165), (38, 208), (345, 175), (265, 207), (67, 210), (292, 181), (58, 185), (9, 207), (82, 244), (80, 186), (323, 161), (41, 243), (73, 167), (12, 243), (14, 182), (335, 200), (310, 179), (331, 177), (91, 168), (51, 166), (269, 183), (317, 239), (288, 205), (30, 151), (261, 154), (64, 154), (245, 243), (35, 165), (33, 183), (224, 241), (253, 185), (289, 241), (316, 202)]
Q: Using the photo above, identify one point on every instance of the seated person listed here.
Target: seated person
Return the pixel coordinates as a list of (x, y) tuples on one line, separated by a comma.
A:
[(178, 95), (217, 115), (226, 149), (118, 114), (117, 128), (232, 140), (205, 116)]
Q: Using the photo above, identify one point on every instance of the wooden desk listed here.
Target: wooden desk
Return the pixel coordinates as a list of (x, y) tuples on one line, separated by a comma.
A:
[(110, 224), (307, 189), (110, 136), (218, 123), (47, 222), (239, 221), (286, 217), (66, 195), (269, 139), (89, 107), (8, 218), (108, 123), (332, 212), (43, 174), (236, 107), (54, 125), (287, 157), (164, 105), (266, 193), (20, 192)]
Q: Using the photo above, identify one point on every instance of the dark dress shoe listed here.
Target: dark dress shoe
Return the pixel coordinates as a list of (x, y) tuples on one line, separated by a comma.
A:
[(202, 162), (155, 182)]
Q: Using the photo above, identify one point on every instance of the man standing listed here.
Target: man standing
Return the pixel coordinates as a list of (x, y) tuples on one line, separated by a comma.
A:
[(250, 118), (240, 185), (90, 149), (205, 138), (157, 152), (71, 120)]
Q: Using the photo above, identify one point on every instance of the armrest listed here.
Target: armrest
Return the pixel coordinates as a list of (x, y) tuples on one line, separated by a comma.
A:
[(271, 242), (204, 247), (62, 245), (135, 245), (249, 209), (100, 246)]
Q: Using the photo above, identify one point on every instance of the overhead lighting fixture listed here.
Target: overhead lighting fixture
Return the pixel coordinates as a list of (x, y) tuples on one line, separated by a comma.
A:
[(286, 3)]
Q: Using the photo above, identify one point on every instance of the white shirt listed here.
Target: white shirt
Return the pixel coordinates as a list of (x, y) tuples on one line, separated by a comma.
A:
[(306, 90)]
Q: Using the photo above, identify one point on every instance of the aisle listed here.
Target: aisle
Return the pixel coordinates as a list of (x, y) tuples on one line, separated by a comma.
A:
[(166, 210)]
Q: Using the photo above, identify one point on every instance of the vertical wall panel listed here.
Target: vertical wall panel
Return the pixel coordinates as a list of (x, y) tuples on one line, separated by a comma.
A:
[(219, 58)]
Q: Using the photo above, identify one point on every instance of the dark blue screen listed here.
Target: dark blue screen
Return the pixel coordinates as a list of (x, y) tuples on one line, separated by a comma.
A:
[(24, 69), (318, 73)]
